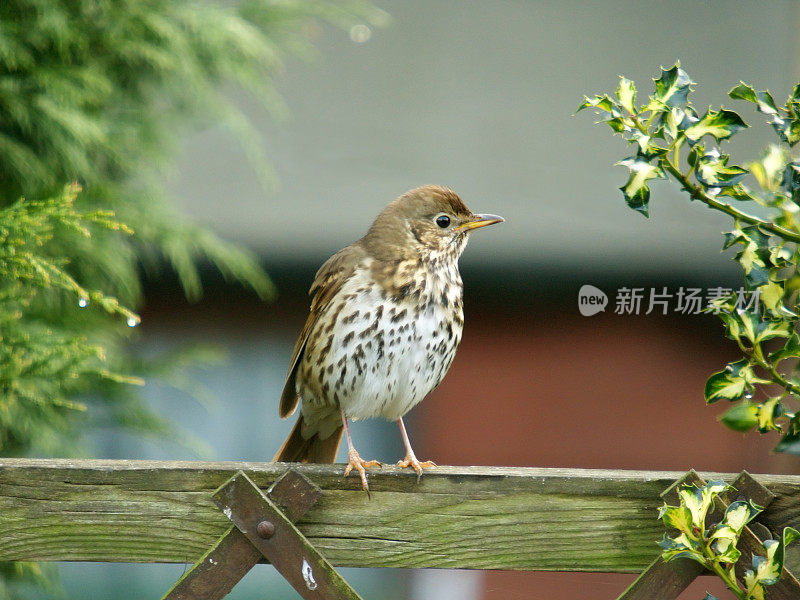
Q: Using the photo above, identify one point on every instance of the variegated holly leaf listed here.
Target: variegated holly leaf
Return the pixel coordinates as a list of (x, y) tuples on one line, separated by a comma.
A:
[(677, 120), (724, 547), (754, 255), (626, 93), (790, 180), (771, 295), (720, 125), (601, 103), (763, 100), (767, 569), (787, 128), (782, 254), (697, 152), (676, 517), (767, 413), (680, 547), (740, 513), (756, 329), (713, 170), (739, 192), (722, 386), (647, 145), (726, 534), (733, 382), (699, 499), (672, 88), (614, 117), (791, 349), (786, 124), (636, 191)]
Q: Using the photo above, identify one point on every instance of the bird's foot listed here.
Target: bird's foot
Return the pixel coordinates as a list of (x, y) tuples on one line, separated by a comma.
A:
[(411, 461), (359, 464)]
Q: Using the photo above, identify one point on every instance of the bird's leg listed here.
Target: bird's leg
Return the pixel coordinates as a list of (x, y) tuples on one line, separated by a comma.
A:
[(411, 459), (354, 461)]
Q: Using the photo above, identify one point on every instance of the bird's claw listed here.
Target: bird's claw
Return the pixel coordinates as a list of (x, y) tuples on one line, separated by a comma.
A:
[(411, 461), (359, 464)]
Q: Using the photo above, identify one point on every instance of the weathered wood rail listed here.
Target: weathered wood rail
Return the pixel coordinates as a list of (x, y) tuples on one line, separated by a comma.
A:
[(455, 517)]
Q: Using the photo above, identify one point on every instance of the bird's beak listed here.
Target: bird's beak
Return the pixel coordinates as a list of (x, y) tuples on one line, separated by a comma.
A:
[(481, 221)]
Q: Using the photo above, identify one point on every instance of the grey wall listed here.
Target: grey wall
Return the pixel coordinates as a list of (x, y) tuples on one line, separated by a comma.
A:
[(479, 96)]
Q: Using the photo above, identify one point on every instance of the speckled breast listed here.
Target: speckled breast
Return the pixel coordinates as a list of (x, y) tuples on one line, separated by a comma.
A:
[(385, 352)]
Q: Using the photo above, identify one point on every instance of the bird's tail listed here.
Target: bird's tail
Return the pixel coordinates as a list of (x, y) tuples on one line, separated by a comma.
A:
[(312, 450)]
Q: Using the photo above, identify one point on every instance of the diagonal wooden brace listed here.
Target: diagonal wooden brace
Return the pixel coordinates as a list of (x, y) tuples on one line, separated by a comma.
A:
[(666, 580), (787, 587), (215, 574), (266, 526)]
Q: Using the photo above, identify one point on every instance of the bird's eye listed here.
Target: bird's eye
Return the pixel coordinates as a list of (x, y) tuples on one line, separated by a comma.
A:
[(443, 221)]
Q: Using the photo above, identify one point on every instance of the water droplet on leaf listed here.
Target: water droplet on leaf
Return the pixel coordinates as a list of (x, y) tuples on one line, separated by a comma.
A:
[(133, 321), (83, 302)]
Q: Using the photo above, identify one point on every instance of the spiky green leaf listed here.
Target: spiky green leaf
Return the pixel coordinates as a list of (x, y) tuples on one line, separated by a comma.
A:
[(730, 383), (671, 88), (601, 103), (636, 191), (713, 171), (698, 500), (768, 412), (680, 547), (740, 513), (676, 517), (787, 128), (763, 100), (720, 125), (626, 93), (791, 349)]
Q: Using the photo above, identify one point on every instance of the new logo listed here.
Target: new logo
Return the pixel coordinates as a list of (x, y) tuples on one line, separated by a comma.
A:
[(591, 300)]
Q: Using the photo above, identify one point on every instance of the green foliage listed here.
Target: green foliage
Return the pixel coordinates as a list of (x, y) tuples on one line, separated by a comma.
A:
[(47, 356), (714, 545), (97, 92), (672, 140)]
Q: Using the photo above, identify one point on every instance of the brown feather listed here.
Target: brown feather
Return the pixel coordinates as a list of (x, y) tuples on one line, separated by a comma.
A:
[(329, 279), (313, 449)]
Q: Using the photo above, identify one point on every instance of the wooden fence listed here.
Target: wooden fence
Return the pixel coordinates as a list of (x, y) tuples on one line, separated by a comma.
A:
[(455, 517)]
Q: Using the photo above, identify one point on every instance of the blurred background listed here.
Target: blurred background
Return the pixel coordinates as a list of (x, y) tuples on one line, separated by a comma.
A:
[(478, 96)]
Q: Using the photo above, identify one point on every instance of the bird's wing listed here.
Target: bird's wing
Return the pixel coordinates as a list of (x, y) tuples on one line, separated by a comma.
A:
[(327, 282)]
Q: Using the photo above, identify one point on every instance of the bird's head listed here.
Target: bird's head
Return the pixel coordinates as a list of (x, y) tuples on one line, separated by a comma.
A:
[(427, 221)]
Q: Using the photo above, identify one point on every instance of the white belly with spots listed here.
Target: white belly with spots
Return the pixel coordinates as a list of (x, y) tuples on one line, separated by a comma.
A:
[(386, 357), (409, 368)]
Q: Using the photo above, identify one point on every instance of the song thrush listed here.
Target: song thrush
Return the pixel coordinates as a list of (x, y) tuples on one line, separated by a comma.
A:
[(386, 318)]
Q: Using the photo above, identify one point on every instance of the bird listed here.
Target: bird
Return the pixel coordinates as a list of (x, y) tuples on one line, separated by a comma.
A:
[(385, 320)]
